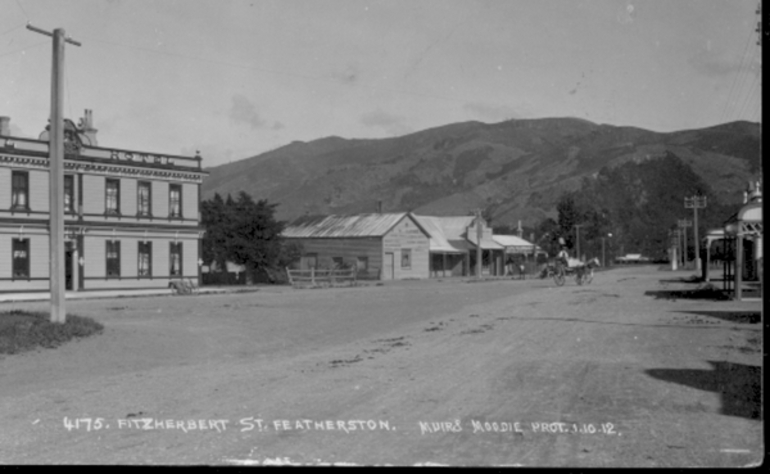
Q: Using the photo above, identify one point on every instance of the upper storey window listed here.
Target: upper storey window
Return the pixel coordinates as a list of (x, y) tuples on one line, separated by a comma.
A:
[(175, 200), (112, 196), (144, 198), (20, 190)]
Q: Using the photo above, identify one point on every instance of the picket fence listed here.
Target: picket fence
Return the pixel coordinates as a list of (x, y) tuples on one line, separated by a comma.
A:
[(319, 277)]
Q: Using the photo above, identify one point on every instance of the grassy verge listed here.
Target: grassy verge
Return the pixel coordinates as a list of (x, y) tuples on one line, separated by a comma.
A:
[(23, 330)]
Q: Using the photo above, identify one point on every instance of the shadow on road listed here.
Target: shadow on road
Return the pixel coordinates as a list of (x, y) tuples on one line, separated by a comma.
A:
[(739, 385), (742, 317), (692, 280), (698, 294), (614, 323)]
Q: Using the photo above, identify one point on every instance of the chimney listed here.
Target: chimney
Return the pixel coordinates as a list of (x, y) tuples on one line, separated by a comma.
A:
[(87, 127), (379, 207), (5, 126)]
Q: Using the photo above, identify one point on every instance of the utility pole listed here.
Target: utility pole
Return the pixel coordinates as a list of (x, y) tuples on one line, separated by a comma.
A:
[(684, 224), (479, 234), (673, 244), (758, 30), (695, 203), (56, 175), (577, 240), (604, 255)]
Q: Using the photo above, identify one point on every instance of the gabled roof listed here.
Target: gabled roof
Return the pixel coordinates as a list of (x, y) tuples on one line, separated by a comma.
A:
[(361, 225), (487, 241), (449, 234), (440, 240)]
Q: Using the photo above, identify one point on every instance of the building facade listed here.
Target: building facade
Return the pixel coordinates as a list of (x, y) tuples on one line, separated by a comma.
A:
[(382, 246), (453, 246), (132, 218)]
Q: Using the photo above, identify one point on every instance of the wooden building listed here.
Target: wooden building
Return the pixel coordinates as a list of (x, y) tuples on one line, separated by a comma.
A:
[(131, 217), (744, 276), (390, 246), (453, 246), (520, 252), (449, 250)]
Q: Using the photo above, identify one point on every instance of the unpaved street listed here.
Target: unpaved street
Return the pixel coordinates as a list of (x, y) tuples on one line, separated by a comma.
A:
[(622, 372)]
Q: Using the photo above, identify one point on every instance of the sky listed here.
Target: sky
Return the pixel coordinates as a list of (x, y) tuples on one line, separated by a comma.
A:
[(236, 78)]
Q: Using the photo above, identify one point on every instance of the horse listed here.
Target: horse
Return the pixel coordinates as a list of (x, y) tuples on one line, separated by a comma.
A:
[(588, 273)]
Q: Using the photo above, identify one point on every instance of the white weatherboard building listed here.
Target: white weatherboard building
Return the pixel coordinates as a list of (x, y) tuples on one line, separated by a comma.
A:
[(131, 217)]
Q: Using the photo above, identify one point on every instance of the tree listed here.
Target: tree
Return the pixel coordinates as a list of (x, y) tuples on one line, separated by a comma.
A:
[(246, 233), (213, 219), (636, 202)]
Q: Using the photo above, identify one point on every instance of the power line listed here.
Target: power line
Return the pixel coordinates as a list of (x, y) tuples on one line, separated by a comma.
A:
[(23, 10), (24, 48), (746, 74), (11, 30), (740, 73), (749, 98)]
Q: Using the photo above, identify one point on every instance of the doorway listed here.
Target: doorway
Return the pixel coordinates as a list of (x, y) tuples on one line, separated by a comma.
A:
[(388, 266)]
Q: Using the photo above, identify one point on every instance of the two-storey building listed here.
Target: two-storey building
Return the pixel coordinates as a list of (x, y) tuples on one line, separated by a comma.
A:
[(132, 218)]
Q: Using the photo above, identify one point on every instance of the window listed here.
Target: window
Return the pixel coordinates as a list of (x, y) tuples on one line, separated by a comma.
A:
[(20, 190), (337, 262), (144, 265), (175, 200), (144, 198), (362, 264), (113, 258), (112, 196), (406, 258), (20, 257), (69, 193), (175, 264)]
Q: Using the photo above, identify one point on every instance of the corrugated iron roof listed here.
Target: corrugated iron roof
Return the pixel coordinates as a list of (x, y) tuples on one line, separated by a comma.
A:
[(439, 241), (515, 244), (450, 234), (361, 225), (487, 241)]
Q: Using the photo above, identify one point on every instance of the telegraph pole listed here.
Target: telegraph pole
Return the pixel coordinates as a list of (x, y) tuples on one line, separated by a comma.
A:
[(577, 240), (684, 224), (479, 234), (56, 175), (695, 203), (759, 43)]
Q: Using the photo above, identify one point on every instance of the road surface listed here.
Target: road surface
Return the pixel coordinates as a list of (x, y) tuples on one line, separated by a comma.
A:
[(620, 373)]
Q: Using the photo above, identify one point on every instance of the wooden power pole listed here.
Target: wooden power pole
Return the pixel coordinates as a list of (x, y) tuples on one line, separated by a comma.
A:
[(695, 202), (577, 241), (56, 175), (479, 234)]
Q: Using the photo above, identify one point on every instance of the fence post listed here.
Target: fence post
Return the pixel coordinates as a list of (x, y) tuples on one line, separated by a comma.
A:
[(312, 276), (288, 274)]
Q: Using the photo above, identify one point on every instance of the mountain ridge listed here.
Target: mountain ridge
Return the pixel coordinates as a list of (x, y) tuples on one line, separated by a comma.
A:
[(515, 169)]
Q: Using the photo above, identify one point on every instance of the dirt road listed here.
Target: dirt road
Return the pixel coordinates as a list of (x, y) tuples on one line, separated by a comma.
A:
[(496, 373)]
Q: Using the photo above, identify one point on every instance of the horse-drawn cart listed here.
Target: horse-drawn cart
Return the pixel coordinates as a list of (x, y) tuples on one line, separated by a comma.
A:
[(583, 272)]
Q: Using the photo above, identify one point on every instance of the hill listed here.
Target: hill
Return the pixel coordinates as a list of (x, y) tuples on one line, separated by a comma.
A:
[(515, 169)]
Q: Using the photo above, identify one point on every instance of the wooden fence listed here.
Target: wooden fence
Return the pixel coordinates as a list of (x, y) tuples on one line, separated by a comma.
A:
[(319, 277)]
